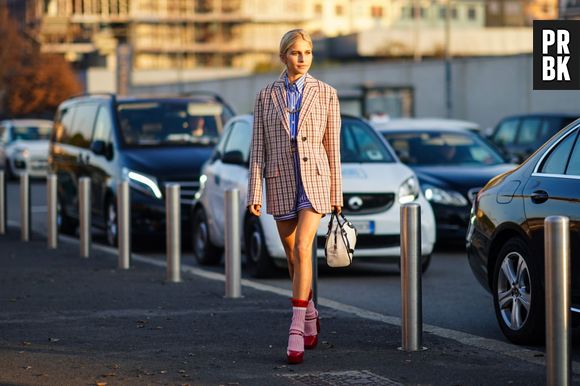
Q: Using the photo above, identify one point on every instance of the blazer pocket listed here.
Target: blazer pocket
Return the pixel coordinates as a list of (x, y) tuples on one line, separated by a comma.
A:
[(323, 170), (271, 171)]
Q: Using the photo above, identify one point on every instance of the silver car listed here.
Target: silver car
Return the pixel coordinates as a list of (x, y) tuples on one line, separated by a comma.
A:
[(24, 146)]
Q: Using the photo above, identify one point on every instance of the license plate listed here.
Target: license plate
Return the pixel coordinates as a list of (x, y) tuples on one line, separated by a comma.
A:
[(364, 227)]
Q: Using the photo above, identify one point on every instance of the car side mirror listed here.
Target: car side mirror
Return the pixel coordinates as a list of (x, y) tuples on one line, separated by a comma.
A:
[(99, 147), (233, 157)]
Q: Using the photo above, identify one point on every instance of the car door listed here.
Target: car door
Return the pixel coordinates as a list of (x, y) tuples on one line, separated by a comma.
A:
[(235, 160), (232, 175), (99, 163), (78, 145), (212, 175), (552, 189)]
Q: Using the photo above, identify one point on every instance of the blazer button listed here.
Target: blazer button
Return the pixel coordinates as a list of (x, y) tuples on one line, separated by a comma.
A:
[(305, 159), (303, 139)]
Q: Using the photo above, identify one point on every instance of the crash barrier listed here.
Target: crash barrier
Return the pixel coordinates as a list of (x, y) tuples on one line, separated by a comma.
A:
[(412, 318), (24, 207), (85, 216), (557, 277), (233, 259), (2, 203), (123, 225), (173, 211), (51, 206)]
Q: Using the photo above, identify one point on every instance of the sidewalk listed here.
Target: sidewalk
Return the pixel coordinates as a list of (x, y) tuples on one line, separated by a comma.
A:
[(71, 321)]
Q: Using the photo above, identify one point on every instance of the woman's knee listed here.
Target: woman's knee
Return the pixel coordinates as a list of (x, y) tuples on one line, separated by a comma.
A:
[(303, 249)]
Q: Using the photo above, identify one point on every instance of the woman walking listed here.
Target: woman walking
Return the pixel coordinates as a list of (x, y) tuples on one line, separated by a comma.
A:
[(296, 149)]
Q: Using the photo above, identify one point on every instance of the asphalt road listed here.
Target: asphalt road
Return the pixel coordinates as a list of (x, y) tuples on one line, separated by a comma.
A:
[(452, 298)]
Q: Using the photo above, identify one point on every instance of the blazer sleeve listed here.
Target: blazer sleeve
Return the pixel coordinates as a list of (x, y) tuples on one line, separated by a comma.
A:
[(331, 143), (257, 152)]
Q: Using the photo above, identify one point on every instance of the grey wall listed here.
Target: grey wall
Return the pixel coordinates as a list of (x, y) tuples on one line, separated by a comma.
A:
[(484, 89)]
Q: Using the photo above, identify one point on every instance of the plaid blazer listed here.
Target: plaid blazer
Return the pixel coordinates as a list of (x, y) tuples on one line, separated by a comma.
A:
[(318, 141)]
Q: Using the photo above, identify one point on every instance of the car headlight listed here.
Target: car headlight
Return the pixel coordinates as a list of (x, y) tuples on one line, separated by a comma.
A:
[(202, 181), (409, 190), (142, 182), (443, 196), (21, 152)]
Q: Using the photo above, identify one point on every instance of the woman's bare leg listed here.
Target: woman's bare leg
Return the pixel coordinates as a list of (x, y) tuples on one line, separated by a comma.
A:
[(308, 221), (287, 232)]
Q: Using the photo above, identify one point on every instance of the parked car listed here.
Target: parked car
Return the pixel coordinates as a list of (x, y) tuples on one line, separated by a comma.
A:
[(505, 240), (519, 136), (422, 123), (375, 184), (452, 166), (149, 142), (24, 146)]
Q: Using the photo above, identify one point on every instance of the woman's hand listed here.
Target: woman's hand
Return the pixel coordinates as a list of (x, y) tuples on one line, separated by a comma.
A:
[(337, 209), (255, 209)]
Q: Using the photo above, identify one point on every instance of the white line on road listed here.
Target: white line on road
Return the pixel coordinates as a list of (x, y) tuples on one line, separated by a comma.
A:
[(528, 355)]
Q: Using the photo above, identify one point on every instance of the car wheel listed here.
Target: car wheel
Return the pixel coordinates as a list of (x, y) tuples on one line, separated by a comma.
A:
[(205, 252), (259, 263), (111, 223), (65, 224), (517, 295)]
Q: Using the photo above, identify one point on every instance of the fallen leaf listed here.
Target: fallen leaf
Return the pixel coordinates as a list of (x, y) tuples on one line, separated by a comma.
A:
[(101, 383), (27, 367)]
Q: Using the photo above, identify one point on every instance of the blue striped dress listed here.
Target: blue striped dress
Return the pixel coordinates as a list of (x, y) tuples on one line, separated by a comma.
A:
[(294, 101)]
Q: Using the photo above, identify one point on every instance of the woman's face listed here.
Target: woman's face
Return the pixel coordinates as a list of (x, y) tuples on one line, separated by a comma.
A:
[(298, 58)]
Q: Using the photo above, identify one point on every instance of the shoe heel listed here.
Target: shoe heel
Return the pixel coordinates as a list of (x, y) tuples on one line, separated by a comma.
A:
[(295, 357), (310, 342)]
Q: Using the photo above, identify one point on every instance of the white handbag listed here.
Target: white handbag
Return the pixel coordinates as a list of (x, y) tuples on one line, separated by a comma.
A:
[(340, 241)]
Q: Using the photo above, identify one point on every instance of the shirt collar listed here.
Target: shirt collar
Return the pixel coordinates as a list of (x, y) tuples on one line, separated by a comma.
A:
[(299, 84)]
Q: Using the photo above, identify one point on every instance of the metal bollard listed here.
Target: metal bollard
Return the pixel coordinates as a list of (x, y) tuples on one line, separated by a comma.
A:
[(412, 320), (233, 257), (315, 270), (24, 207), (557, 275), (51, 202), (2, 203), (85, 215), (123, 225), (173, 211)]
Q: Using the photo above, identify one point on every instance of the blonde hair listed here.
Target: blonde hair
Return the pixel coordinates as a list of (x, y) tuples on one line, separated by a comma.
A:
[(291, 37)]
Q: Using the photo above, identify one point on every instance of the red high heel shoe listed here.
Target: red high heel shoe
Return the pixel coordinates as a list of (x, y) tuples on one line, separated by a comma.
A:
[(295, 357), (310, 341)]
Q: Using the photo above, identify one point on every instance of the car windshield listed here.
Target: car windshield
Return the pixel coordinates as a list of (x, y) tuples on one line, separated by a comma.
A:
[(360, 143), (170, 123), (31, 133), (442, 148)]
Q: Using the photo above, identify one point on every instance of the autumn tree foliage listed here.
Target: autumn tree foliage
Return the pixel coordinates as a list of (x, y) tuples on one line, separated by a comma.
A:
[(31, 82)]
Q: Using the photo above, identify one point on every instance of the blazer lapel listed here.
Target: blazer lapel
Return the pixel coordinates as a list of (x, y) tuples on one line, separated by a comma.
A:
[(278, 98), (308, 98)]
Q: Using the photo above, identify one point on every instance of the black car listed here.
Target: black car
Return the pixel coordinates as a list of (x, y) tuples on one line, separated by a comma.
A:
[(505, 240), (452, 166), (519, 136), (148, 142)]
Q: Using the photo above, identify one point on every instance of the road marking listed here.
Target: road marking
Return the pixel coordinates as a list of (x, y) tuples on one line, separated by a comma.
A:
[(511, 350)]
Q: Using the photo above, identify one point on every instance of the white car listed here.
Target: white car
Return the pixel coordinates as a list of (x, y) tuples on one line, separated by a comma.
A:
[(375, 184), (422, 123), (24, 146)]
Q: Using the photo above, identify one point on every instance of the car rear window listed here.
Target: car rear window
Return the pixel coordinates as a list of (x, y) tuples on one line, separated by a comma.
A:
[(154, 123)]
